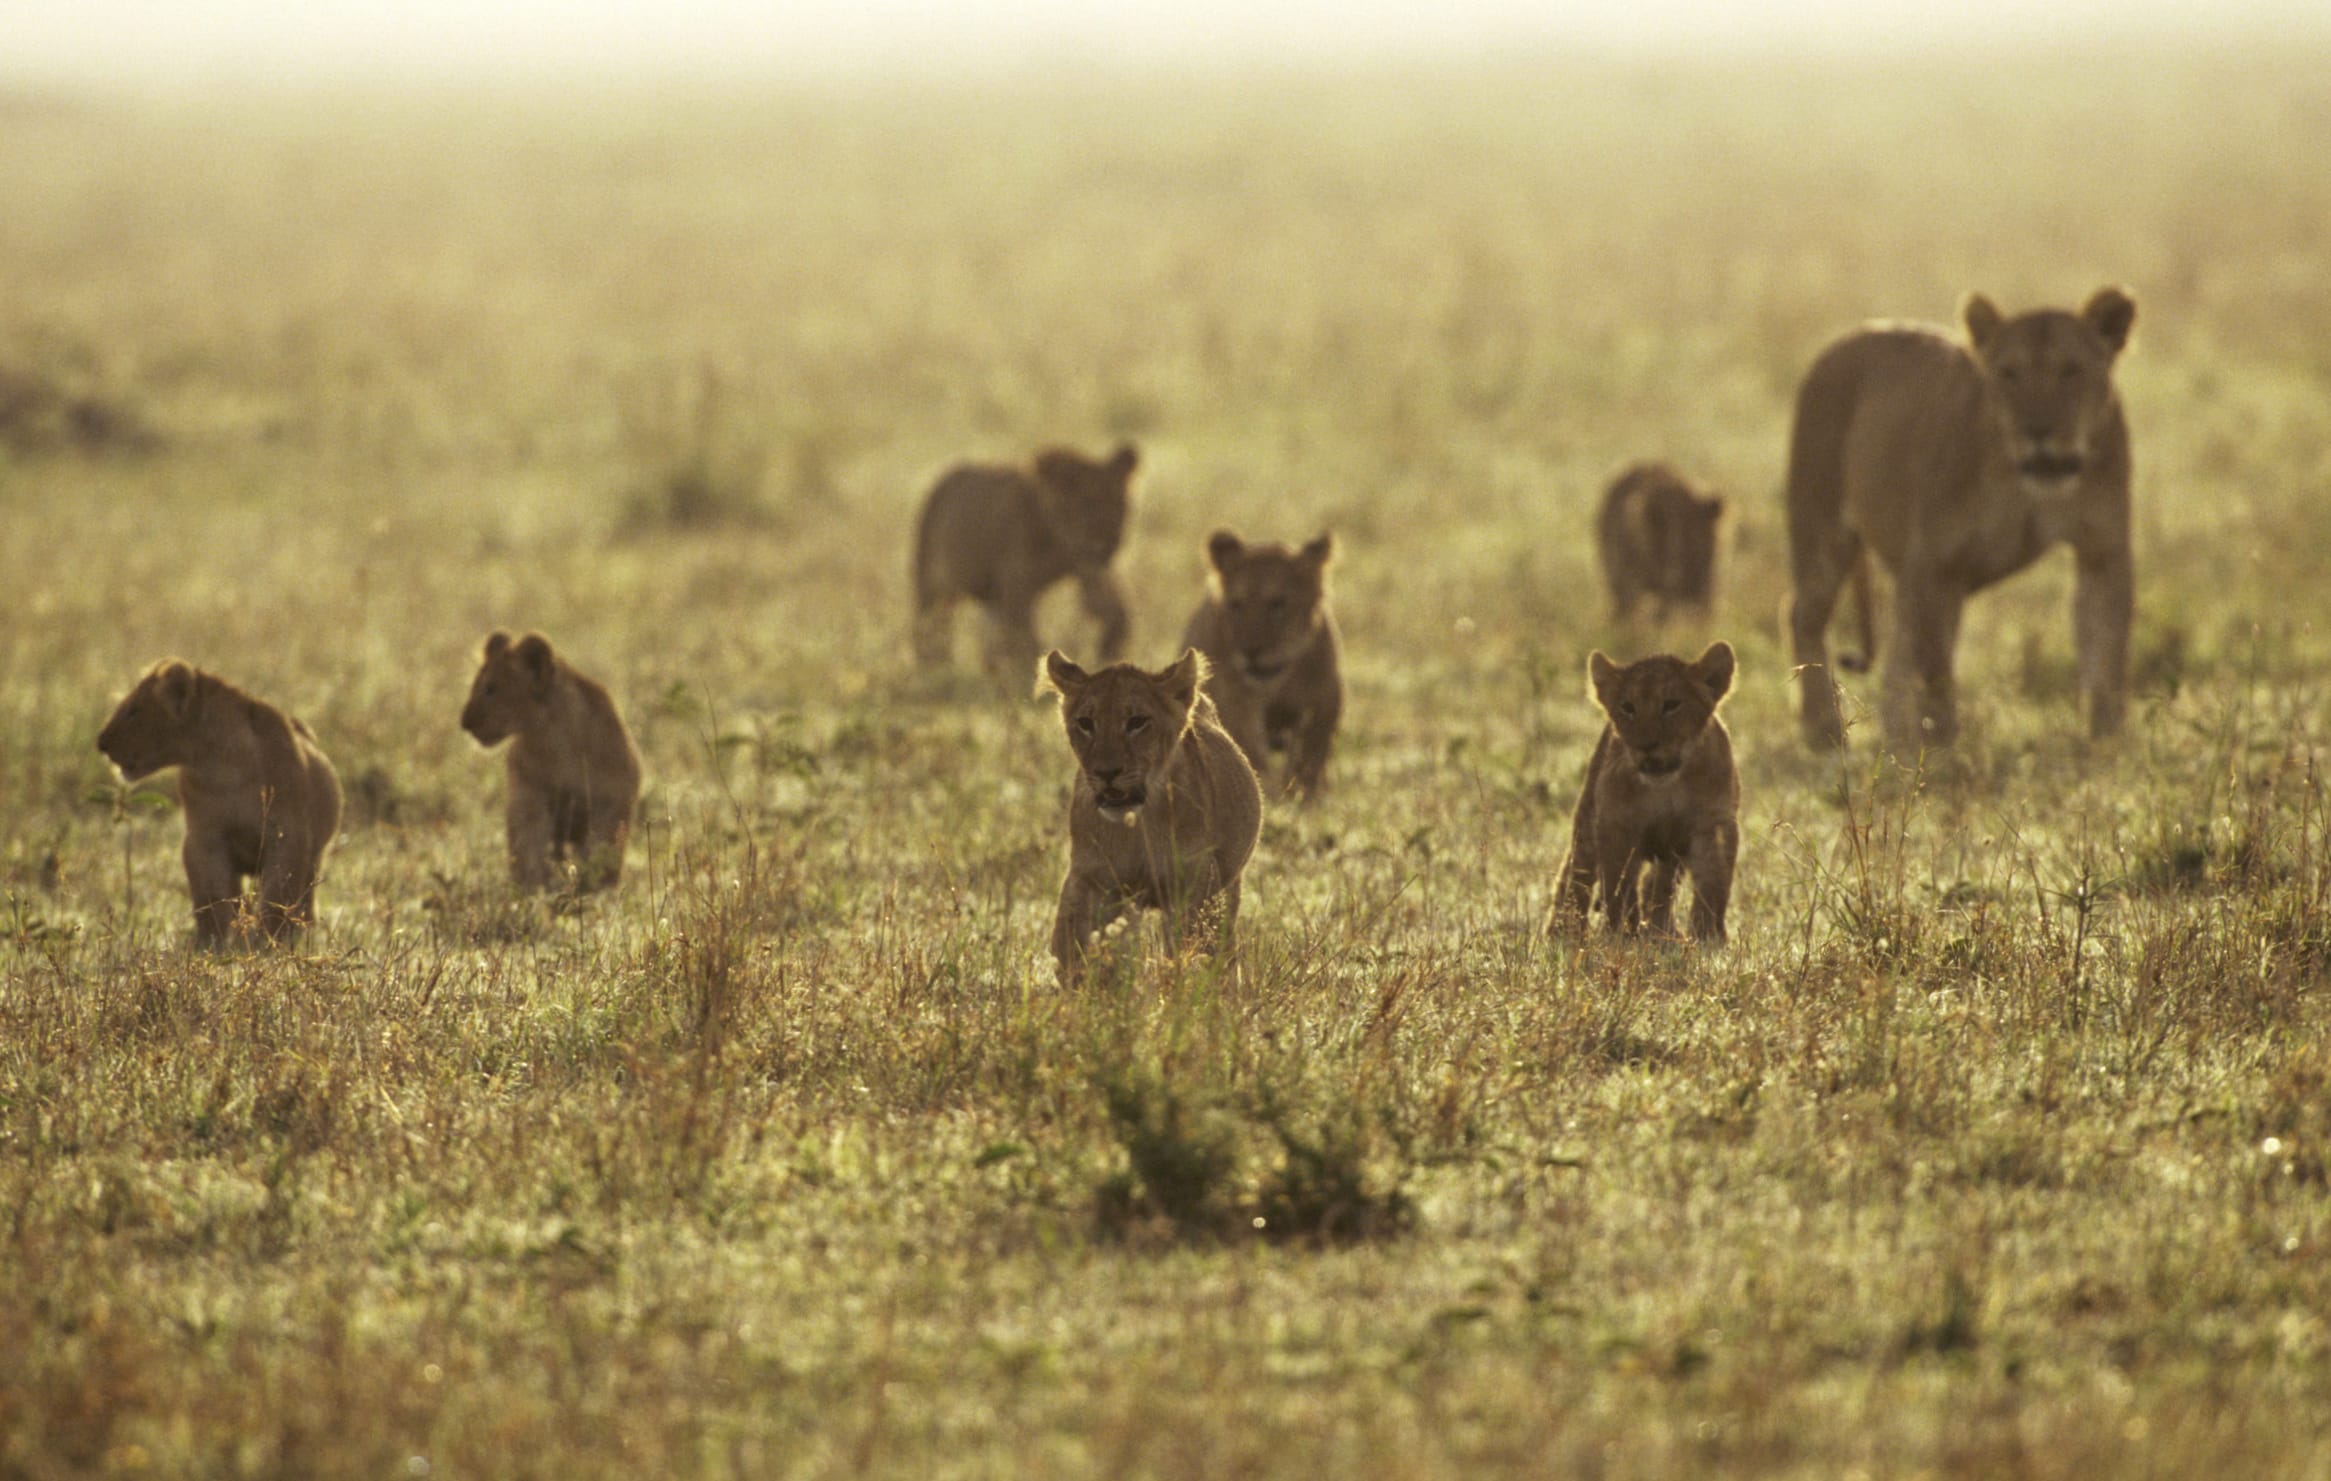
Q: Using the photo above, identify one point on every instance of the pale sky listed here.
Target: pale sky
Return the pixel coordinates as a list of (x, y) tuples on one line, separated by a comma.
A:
[(242, 40)]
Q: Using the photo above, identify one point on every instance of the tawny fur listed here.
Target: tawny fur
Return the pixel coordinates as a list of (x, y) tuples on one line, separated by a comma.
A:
[(573, 771), (260, 799), (1275, 659), (1959, 463), (1656, 534), (1165, 811), (1662, 796), (1001, 537)]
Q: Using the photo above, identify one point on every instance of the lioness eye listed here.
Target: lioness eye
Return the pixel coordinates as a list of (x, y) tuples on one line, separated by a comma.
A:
[(1135, 724), (1084, 725), (1671, 707)]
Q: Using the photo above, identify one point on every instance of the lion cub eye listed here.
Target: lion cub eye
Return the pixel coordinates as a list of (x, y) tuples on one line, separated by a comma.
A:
[(2068, 374), (1084, 725), (1627, 708), (1671, 707), (1135, 724)]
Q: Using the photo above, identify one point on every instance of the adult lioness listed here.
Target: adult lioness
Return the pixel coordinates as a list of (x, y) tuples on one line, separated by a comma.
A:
[(1001, 536), (1165, 811), (1959, 465)]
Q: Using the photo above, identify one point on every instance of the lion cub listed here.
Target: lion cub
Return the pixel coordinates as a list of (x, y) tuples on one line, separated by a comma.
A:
[(1273, 653), (259, 797), (1656, 534), (574, 773), (1661, 793), (1002, 536), (1165, 811)]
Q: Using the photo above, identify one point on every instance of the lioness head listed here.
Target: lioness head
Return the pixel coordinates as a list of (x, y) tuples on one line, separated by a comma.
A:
[(1275, 599), (1660, 705), (1124, 723), (513, 683), (1085, 502), (150, 727), (2048, 375)]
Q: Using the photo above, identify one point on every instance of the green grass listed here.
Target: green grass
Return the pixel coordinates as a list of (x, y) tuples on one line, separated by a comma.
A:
[(1998, 1143)]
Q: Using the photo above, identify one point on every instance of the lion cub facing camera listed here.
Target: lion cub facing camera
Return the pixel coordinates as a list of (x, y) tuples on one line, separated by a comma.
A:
[(259, 797), (1661, 795), (1166, 808), (574, 773), (1274, 659)]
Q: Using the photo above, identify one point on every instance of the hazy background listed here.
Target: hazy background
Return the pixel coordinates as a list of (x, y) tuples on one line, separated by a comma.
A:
[(245, 40)]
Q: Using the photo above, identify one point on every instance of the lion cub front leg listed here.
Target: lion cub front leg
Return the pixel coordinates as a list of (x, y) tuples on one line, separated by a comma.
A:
[(1085, 909), (1714, 852), (1200, 910), (212, 884), (1574, 882), (533, 843)]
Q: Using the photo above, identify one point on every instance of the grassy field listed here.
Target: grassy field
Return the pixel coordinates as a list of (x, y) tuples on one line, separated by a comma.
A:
[(1997, 1144)]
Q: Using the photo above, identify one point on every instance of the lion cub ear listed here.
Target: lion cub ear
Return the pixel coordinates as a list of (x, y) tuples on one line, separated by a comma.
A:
[(174, 682), (2110, 312), (1056, 675), (1714, 669), (1124, 460), (497, 644), (1224, 550), (1319, 552), (1982, 318), (534, 656), (1183, 678), (1601, 674)]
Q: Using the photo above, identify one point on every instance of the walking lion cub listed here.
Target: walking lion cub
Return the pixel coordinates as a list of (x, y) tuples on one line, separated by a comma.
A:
[(1656, 534), (1165, 811), (1274, 659), (573, 771), (1002, 536), (1661, 795), (259, 797)]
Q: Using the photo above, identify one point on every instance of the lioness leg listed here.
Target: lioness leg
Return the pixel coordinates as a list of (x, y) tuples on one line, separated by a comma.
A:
[(2103, 603), (1920, 693), (1819, 568), (1713, 854), (1103, 598)]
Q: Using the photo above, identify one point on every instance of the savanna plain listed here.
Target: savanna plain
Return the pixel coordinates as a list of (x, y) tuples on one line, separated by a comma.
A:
[(1996, 1144)]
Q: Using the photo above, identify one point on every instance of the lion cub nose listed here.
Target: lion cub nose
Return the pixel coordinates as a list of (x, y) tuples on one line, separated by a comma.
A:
[(1108, 773)]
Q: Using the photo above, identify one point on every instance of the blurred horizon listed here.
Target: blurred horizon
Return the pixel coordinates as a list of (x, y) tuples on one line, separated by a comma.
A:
[(243, 42)]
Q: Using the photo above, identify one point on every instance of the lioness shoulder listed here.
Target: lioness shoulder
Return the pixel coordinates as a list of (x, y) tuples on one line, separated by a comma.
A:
[(1662, 797), (259, 797), (1165, 810), (1000, 536), (1274, 658), (1958, 462), (1656, 536), (573, 771)]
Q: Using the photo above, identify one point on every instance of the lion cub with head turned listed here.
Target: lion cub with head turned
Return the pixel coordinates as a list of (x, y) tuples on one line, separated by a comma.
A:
[(1661, 795), (574, 773), (259, 797), (1001, 537), (1165, 811), (1656, 534), (1275, 660)]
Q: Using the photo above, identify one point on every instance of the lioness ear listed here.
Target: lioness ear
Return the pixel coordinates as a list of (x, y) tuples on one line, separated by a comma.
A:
[(1124, 460), (1601, 674), (1224, 550), (497, 644), (1320, 551), (174, 682), (533, 655), (2110, 312), (1981, 316), (1182, 680), (1714, 669), (1056, 675)]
